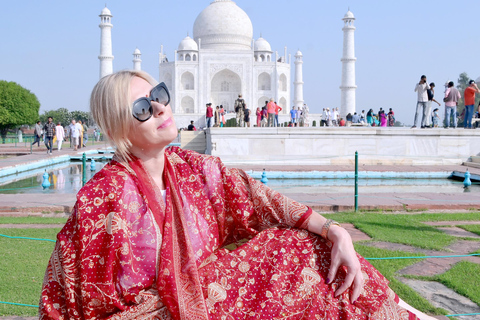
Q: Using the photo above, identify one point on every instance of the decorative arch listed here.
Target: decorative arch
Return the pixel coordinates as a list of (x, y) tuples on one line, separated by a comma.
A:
[(283, 104), (268, 58), (264, 82), (261, 101), (187, 81), (262, 58), (194, 57), (188, 57), (188, 105), (283, 82), (226, 85)]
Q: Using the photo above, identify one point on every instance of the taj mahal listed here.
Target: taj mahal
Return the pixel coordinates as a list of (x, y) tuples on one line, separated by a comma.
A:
[(222, 61)]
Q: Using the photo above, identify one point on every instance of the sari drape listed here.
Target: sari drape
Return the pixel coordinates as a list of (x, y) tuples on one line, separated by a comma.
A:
[(221, 246)]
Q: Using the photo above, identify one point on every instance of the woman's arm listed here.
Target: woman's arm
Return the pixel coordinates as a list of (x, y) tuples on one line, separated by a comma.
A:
[(343, 254)]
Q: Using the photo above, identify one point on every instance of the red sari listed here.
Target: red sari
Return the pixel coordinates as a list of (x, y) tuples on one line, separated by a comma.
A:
[(222, 246)]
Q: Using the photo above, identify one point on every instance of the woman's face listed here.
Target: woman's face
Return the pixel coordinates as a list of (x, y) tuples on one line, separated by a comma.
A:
[(158, 131)]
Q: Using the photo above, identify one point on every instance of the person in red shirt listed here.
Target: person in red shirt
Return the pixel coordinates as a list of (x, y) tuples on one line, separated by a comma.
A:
[(271, 106), (209, 115), (469, 97)]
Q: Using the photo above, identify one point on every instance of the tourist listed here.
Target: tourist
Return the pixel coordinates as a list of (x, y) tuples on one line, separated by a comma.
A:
[(349, 118), (422, 99), (191, 126), (363, 117), (217, 117), (305, 115), (436, 118), (271, 107), (60, 135), (382, 117), (355, 118), (74, 135), (323, 118), (293, 116), (81, 128), (452, 96), (49, 129), (222, 114), (37, 133), (147, 237), (341, 122), (335, 116), (239, 109), (370, 117), (85, 134), (299, 117), (469, 98), (391, 118), (259, 117), (277, 110), (246, 116), (329, 118), (264, 116), (209, 115), (428, 111)]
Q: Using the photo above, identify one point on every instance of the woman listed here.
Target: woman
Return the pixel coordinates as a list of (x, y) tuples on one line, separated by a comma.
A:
[(382, 117), (217, 117), (246, 116), (222, 113), (148, 236), (370, 117), (391, 118), (436, 118), (259, 117)]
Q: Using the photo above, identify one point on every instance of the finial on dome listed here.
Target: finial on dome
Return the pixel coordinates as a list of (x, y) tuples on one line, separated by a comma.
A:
[(261, 35)]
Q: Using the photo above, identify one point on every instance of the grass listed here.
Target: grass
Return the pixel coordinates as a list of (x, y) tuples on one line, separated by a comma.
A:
[(32, 220), (22, 268), (388, 268), (464, 279), (474, 228), (407, 229)]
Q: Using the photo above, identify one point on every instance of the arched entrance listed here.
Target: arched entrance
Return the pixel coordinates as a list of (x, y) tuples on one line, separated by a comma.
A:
[(226, 86)]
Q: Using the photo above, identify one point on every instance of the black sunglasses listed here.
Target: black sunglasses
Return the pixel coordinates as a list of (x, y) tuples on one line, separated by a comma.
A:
[(142, 107)]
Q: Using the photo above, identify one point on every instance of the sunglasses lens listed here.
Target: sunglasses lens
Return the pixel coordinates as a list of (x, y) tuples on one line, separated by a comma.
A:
[(142, 110), (160, 95)]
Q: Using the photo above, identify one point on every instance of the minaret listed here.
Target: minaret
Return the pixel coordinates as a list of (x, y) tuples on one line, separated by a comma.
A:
[(298, 82), (137, 60), (348, 86), (106, 57)]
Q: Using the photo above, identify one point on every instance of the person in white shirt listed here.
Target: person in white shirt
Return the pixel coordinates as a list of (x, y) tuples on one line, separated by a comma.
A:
[(421, 90), (74, 134), (60, 134)]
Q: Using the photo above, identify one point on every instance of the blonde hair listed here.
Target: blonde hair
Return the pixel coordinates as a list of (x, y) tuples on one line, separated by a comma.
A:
[(111, 108)]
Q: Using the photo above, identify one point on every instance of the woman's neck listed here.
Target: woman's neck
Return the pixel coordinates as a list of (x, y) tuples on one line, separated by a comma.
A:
[(154, 163)]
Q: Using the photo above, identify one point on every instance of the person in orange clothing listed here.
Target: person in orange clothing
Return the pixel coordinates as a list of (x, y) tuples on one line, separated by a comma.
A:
[(271, 107), (469, 98), (277, 110)]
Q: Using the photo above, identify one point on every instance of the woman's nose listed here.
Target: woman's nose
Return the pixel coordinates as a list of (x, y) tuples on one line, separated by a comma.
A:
[(158, 108)]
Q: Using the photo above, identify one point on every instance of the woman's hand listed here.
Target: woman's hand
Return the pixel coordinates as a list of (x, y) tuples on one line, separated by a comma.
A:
[(343, 254)]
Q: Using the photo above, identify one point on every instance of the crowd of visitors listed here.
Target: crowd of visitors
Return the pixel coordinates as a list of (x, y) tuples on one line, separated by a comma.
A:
[(76, 133)]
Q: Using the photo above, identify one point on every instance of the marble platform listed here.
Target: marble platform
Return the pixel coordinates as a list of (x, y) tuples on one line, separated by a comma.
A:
[(337, 145)]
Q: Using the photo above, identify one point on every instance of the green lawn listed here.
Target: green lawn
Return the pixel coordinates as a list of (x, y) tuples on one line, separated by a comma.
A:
[(464, 278), (475, 228), (22, 268), (389, 268), (32, 220), (406, 229)]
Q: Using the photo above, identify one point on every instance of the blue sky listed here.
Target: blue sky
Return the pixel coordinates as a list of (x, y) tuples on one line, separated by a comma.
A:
[(51, 47)]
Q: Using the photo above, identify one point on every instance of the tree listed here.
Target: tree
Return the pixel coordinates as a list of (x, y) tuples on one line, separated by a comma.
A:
[(18, 106), (61, 115), (82, 115)]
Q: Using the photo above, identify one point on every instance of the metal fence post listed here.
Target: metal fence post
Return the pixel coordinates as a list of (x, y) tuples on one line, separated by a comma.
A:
[(356, 181), (84, 166)]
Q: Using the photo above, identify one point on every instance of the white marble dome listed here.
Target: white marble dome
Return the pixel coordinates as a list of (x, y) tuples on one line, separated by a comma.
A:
[(106, 12), (187, 44), (262, 45), (137, 51), (349, 15), (223, 25)]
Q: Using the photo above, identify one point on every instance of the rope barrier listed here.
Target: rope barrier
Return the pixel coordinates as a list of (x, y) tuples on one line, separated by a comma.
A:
[(26, 238), (426, 257), (19, 304)]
